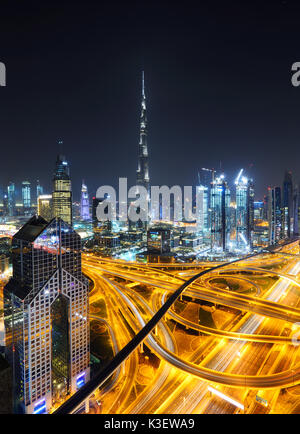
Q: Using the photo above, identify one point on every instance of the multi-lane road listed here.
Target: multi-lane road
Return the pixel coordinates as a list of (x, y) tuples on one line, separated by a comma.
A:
[(222, 348)]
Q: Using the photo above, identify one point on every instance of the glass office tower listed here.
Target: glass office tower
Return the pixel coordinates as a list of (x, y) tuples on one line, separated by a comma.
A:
[(275, 214), (62, 191), (46, 315), (203, 203), (11, 199), (26, 195), (220, 214), (244, 212)]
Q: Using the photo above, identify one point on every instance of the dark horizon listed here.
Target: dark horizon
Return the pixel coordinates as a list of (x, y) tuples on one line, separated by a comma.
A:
[(218, 87)]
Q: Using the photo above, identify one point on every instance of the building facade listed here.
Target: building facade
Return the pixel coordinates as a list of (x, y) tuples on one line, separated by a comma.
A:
[(26, 195), (274, 214), (220, 214), (84, 203), (11, 199), (46, 315), (244, 194)]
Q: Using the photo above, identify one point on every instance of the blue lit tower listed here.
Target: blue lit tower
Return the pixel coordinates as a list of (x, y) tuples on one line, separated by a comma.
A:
[(11, 199), (46, 308), (244, 211), (84, 203), (203, 203), (26, 195), (220, 214)]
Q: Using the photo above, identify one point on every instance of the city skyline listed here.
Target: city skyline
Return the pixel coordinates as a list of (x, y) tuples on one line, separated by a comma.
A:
[(149, 210)]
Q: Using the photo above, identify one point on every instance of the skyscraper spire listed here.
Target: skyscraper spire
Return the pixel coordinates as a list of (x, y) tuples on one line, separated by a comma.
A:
[(143, 84), (143, 168)]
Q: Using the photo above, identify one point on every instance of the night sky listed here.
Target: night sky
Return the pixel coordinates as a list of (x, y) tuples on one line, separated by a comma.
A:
[(218, 86)]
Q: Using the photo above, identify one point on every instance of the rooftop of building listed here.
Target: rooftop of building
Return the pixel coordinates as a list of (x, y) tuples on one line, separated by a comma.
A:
[(32, 229)]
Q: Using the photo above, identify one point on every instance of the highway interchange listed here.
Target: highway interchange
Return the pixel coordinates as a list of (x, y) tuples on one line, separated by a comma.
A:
[(228, 345)]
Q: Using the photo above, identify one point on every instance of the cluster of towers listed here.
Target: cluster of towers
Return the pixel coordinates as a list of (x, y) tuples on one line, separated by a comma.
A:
[(57, 204), (225, 225), (9, 198)]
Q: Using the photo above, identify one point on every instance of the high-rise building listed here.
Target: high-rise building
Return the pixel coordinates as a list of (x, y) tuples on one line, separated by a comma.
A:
[(142, 174), (250, 212), (220, 213), (143, 166), (11, 195), (44, 206), (244, 211), (39, 190), (203, 202), (159, 240), (287, 206), (5, 204), (266, 207), (46, 315), (26, 195), (84, 203), (296, 210), (274, 213), (62, 191)]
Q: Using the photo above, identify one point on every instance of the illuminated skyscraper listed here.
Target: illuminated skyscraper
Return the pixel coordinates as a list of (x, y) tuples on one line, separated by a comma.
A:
[(5, 205), (26, 195), (84, 203), (244, 211), (296, 210), (39, 189), (287, 206), (46, 315), (220, 213), (143, 167), (62, 191), (274, 213), (142, 174), (203, 202), (11, 197), (44, 206)]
